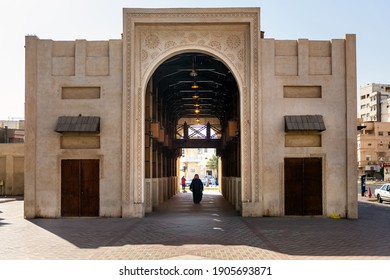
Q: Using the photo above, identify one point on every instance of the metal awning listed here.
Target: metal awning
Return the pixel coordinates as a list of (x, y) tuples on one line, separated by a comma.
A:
[(304, 123), (78, 124)]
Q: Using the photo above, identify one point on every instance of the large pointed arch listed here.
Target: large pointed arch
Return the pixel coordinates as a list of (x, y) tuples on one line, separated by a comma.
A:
[(151, 38)]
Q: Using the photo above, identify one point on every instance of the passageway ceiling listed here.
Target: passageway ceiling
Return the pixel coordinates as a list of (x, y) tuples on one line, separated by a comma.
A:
[(217, 92)]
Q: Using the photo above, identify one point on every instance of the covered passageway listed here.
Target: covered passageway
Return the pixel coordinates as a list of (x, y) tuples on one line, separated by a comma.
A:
[(192, 101)]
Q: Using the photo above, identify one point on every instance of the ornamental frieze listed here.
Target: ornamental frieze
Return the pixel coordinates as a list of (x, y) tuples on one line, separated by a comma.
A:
[(230, 45)]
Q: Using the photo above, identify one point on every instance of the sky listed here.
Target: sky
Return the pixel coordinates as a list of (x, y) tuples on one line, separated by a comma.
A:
[(102, 20)]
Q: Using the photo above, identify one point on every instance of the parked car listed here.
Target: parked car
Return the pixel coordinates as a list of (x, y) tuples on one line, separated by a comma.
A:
[(383, 193), (211, 180)]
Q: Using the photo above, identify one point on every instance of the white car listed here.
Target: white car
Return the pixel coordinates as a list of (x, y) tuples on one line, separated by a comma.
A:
[(383, 193)]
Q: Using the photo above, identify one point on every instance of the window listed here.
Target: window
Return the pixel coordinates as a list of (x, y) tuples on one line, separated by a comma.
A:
[(380, 133), (369, 144)]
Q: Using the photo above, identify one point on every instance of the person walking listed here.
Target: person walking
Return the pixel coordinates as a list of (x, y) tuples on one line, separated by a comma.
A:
[(197, 189), (183, 184)]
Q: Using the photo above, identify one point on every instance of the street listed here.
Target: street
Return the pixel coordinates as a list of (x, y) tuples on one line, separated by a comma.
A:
[(372, 185)]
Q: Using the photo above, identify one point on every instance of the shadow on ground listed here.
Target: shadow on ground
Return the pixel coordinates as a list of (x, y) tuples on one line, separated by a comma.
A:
[(179, 222)]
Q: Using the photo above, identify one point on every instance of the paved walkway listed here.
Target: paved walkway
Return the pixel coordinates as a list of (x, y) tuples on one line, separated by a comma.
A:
[(182, 230)]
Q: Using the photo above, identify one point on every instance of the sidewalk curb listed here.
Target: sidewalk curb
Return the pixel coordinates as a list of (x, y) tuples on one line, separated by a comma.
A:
[(4, 199)]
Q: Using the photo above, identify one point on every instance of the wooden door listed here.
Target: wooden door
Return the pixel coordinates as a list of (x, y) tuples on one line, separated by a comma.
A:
[(80, 188), (303, 186)]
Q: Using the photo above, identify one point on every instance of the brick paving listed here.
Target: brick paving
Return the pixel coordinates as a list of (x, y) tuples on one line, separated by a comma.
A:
[(181, 230)]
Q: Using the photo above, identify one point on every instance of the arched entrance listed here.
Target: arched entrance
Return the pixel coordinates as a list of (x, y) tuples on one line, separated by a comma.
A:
[(147, 44), (192, 101)]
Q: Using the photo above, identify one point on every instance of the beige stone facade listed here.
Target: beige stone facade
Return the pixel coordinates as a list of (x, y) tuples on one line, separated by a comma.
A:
[(111, 79)]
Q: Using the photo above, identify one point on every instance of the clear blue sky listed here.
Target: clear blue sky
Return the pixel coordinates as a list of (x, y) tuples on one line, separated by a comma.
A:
[(102, 20)]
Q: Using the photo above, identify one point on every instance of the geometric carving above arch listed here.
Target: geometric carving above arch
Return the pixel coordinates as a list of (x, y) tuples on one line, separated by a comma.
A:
[(218, 39)]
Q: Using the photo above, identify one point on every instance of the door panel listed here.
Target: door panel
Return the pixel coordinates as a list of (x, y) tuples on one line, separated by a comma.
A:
[(70, 187), (293, 186), (312, 181), (90, 188)]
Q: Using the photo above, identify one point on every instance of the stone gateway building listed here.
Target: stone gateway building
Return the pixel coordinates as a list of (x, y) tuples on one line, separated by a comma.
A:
[(106, 120)]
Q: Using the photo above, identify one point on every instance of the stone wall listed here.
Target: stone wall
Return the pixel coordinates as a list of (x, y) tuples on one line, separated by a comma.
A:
[(306, 77), (69, 78), (11, 169)]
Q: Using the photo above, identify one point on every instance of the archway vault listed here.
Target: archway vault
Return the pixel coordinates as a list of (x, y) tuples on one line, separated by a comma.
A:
[(153, 36)]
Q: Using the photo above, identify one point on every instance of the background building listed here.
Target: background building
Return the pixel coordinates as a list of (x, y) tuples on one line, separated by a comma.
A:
[(375, 102), (373, 148), (374, 137), (12, 131), (195, 161), (11, 158)]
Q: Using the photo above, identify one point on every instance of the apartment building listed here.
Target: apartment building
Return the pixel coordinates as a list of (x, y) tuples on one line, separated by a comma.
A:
[(375, 102), (373, 148), (195, 161)]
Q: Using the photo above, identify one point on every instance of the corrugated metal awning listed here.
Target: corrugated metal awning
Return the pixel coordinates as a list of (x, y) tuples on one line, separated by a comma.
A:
[(78, 124), (304, 123)]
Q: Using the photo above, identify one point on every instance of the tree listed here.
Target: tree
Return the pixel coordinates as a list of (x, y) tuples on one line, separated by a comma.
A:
[(213, 162)]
